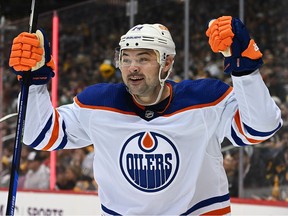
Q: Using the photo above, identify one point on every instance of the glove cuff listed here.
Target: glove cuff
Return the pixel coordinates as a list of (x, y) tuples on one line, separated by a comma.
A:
[(39, 77), (253, 52), (241, 66)]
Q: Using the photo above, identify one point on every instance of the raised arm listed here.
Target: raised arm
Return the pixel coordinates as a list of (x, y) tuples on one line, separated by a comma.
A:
[(46, 128), (256, 117)]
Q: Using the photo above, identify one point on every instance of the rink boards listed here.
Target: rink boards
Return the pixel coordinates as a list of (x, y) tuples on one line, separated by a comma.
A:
[(70, 203)]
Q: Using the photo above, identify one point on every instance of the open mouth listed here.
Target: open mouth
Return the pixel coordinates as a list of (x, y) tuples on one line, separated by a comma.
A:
[(135, 79)]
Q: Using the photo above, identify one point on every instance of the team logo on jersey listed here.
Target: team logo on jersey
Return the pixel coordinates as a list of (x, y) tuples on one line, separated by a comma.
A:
[(149, 161)]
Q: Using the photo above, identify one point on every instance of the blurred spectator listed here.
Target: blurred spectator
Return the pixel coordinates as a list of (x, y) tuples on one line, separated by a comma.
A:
[(5, 173), (6, 161), (87, 164), (23, 168), (107, 73), (275, 87), (38, 174), (67, 180), (84, 48), (253, 171), (230, 166), (78, 157), (86, 183)]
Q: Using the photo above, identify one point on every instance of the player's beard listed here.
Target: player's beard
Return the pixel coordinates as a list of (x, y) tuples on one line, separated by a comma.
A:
[(142, 88)]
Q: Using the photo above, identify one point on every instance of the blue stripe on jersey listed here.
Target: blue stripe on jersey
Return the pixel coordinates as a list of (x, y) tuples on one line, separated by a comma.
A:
[(254, 132), (109, 211), (185, 94), (237, 139), (64, 139), (197, 206), (207, 202), (41, 136)]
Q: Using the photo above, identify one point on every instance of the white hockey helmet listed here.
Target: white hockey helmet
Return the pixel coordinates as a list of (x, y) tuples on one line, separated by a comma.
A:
[(149, 36)]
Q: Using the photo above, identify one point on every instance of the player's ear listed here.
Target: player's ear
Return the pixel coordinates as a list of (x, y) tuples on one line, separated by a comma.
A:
[(168, 63)]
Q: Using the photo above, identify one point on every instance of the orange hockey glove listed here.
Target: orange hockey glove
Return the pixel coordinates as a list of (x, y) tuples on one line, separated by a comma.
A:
[(230, 37), (220, 34), (32, 52)]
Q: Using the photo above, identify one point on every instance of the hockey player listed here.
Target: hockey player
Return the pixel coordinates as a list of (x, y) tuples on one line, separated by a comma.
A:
[(157, 143)]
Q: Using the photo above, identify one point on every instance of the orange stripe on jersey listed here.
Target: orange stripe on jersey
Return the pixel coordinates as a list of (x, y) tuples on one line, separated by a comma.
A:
[(221, 211), (203, 105), (165, 115), (101, 108), (55, 132), (239, 126)]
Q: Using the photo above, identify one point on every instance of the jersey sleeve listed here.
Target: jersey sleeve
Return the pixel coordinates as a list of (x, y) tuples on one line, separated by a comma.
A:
[(255, 115), (47, 128)]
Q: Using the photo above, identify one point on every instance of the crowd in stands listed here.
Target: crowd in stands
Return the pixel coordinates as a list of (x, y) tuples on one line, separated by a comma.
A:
[(86, 54)]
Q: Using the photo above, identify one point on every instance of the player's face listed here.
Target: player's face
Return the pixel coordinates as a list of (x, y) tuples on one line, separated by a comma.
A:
[(140, 71)]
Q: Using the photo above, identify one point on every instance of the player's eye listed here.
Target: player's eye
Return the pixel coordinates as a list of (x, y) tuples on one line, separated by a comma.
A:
[(143, 60), (126, 62)]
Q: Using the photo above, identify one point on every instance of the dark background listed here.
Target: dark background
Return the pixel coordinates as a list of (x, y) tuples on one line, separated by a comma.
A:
[(16, 9)]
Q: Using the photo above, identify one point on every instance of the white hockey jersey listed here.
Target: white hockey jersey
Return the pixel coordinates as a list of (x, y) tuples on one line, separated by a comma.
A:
[(159, 160)]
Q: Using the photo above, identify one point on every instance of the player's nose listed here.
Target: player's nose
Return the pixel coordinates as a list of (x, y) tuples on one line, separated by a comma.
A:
[(133, 68)]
